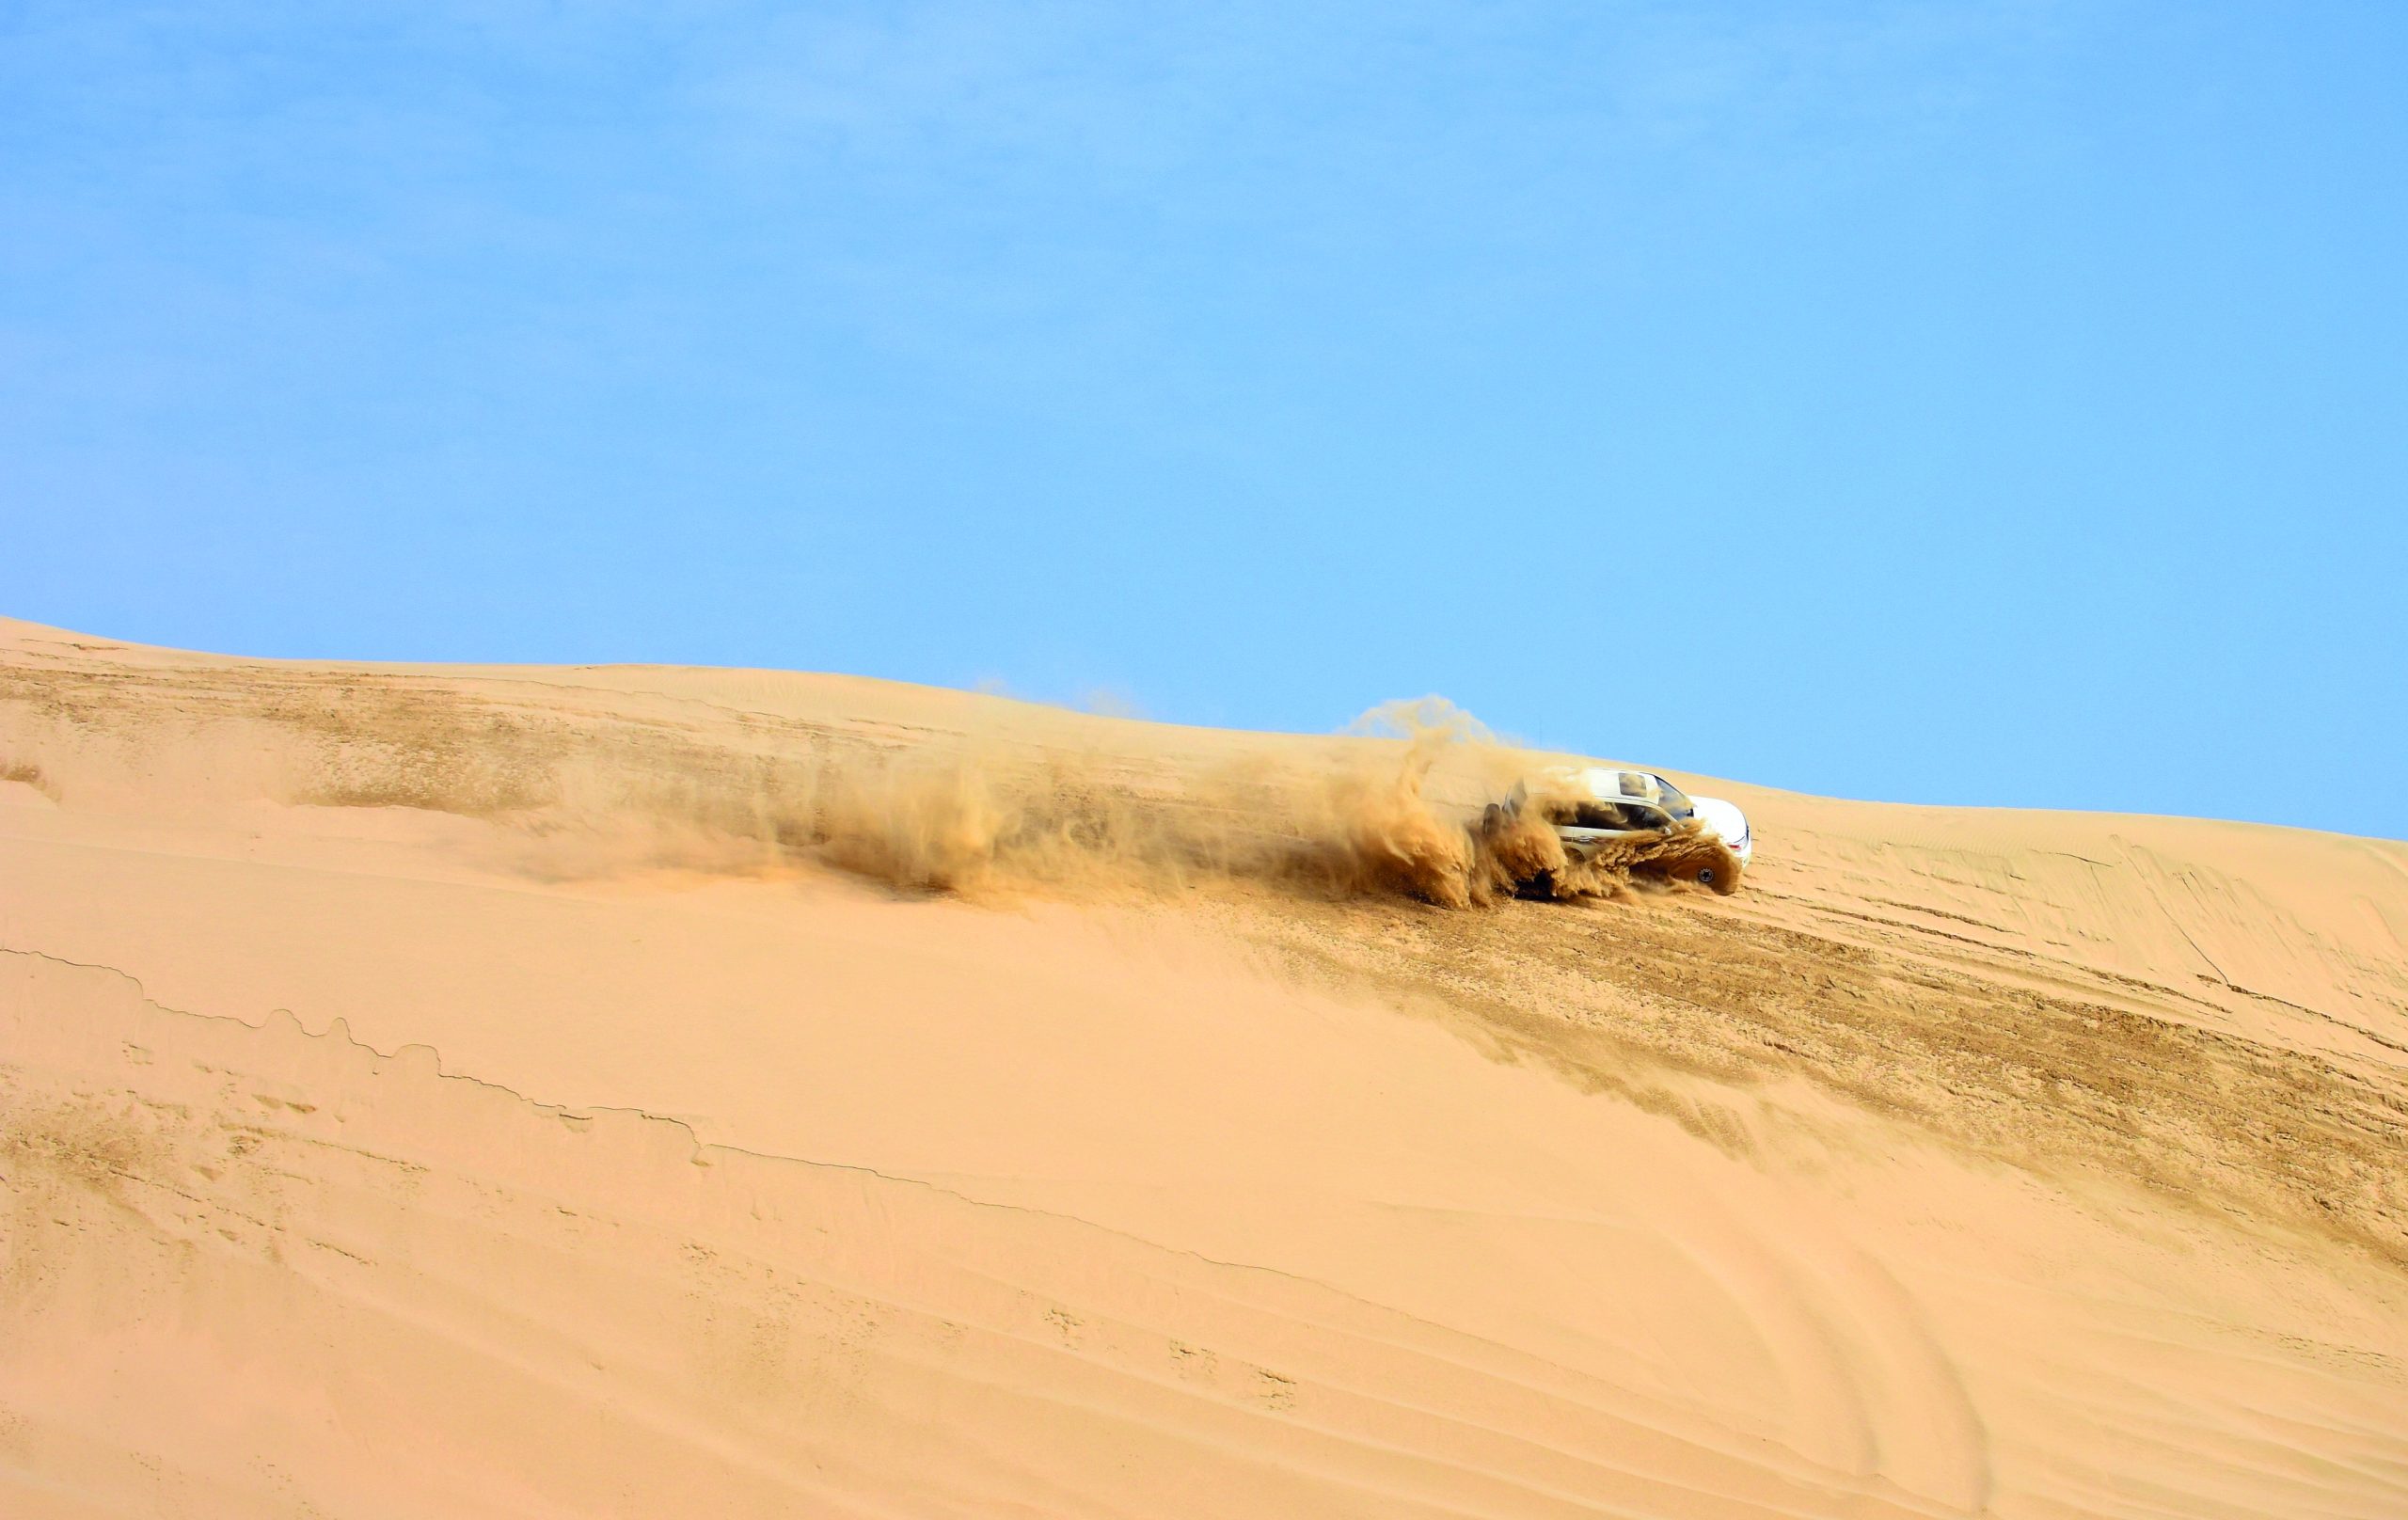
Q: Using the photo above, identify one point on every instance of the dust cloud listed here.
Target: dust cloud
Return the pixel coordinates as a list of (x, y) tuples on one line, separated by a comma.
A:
[(1395, 807), (1363, 823)]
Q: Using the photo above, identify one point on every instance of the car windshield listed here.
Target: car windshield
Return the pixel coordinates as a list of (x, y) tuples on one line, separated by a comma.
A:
[(1676, 801)]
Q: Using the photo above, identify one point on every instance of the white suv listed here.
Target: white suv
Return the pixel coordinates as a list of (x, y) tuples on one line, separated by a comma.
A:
[(1588, 805)]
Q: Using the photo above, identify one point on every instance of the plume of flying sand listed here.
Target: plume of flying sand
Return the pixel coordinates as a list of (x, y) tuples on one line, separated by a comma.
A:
[(981, 819), (968, 813)]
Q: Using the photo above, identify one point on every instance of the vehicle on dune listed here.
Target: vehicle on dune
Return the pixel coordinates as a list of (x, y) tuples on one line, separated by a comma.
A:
[(1636, 818)]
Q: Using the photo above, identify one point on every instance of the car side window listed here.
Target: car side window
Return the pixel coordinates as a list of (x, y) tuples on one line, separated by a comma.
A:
[(1604, 814)]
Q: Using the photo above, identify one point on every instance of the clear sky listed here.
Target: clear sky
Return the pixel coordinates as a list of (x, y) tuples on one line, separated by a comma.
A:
[(1957, 402)]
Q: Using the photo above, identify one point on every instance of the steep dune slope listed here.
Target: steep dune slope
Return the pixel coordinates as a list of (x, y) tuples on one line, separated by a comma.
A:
[(449, 1090)]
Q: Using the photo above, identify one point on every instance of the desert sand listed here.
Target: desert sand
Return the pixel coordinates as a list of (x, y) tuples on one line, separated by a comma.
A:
[(635, 1090)]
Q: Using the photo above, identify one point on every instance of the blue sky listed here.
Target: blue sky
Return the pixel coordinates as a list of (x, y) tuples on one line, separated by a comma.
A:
[(1972, 404)]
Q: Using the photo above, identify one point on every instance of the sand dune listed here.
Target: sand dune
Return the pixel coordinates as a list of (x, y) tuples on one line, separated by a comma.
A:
[(435, 1090)]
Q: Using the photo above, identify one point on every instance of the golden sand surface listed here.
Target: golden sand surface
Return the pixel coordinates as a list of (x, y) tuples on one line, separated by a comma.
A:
[(636, 1090)]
